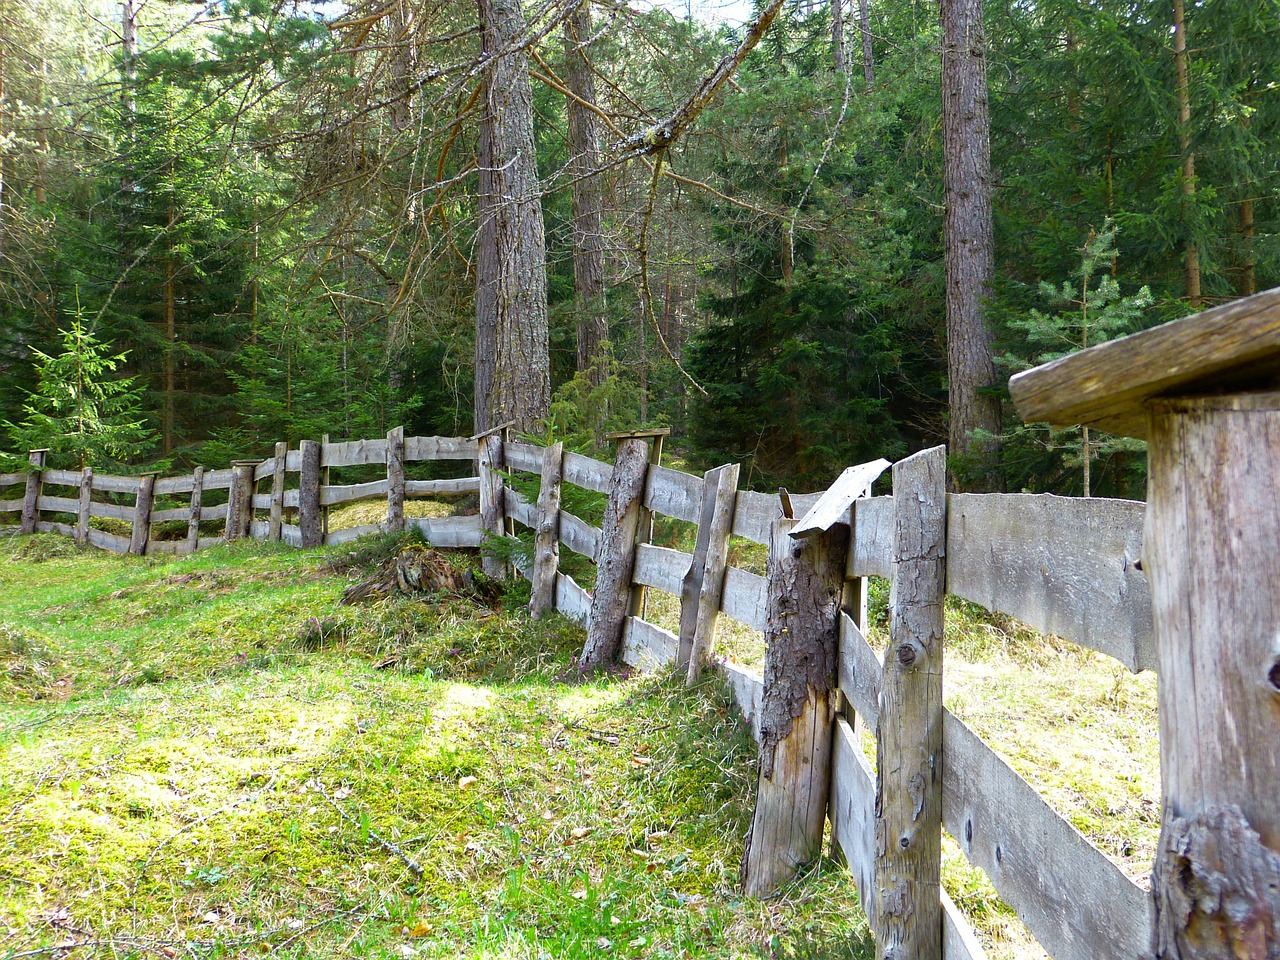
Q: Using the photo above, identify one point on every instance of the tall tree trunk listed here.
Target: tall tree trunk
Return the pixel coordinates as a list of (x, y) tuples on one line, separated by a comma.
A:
[(1192, 254), (128, 55), (513, 375), (837, 37), (1247, 285), (3, 65), (970, 256), (864, 27), (401, 62), (588, 194)]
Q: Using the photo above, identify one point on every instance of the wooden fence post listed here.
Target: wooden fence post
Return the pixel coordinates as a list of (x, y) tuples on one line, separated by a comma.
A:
[(644, 522), (492, 508), (616, 561), (275, 523), (240, 499), (86, 502), (724, 498), (802, 631), (1210, 547), (309, 519), (395, 480), (35, 481), (197, 501), (908, 828), (142, 514), (324, 482), (546, 546)]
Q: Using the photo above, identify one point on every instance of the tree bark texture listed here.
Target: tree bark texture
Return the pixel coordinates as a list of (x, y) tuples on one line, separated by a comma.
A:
[(275, 521), (802, 636), (864, 27), (908, 828), (716, 560), (1210, 546), (1191, 254), (240, 500), (513, 374), (588, 195), (967, 227), (395, 480), (309, 494), (86, 502), (142, 514), (31, 498), (546, 541), (197, 501), (616, 562), (838, 62)]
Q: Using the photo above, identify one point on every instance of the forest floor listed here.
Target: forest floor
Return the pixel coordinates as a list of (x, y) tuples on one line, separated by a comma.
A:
[(209, 756)]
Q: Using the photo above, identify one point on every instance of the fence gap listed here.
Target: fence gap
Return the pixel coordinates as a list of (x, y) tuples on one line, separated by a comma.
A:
[(908, 824), (546, 545), (35, 482), (142, 514)]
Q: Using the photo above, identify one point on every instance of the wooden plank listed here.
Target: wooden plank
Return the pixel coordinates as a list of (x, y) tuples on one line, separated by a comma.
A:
[(353, 453), (1064, 566), (492, 500), (395, 479), (523, 456), (450, 531), (1236, 345), (168, 486), (428, 488), (861, 676), (587, 473), (83, 504), (11, 479), (112, 511), (691, 584), (1076, 902), (852, 807), (142, 515), (546, 543), (647, 646), (175, 513), (571, 599), (197, 508), (259, 529), (293, 461), (109, 484), (755, 512), (518, 508), (350, 533), (108, 541), (31, 497), (166, 547), (10, 506), (214, 513), (711, 580), (673, 493), (871, 552), (267, 468), (212, 480), (959, 942), (58, 504), (291, 534), (61, 478), (579, 536), (345, 493), (260, 501), (833, 505), (744, 597), (747, 687), (660, 567), (49, 526), (440, 448), (907, 870), (292, 498), (276, 506)]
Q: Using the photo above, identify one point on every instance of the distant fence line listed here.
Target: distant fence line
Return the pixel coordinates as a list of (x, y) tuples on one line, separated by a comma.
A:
[(1064, 566)]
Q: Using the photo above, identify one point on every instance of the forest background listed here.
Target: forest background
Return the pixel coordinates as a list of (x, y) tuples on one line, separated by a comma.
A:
[(285, 220)]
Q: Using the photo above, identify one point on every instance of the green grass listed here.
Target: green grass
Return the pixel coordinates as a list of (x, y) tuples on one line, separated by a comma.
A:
[(191, 767)]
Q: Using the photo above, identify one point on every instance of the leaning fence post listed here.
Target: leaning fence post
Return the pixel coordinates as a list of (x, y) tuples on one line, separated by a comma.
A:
[(142, 514), (35, 481), (908, 828), (1201, 391), (802, 631), (275, 522), (309, 519), (240, 499), (395, 480), (546, 544), (492, 507), (86, 502), (711, 582), (197, 501), (644, 522), (616, 561)]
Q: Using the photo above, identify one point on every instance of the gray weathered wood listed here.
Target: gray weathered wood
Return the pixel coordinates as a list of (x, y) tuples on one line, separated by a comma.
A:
[(523, 456), (860, 674), (31, 501), (353, 453), (1065, 566), (309, 519), (259, 529), (745, 597), (612, 598), (170, 514), (806, 579), (637, 605), (908, 835), (492, 506), (673, 493), (82, 506), (61, 478), (450, 531), (276, 516), (197, 503), (1236, 345), (49, 526), (111, 511), (348, 492), (660, 567), (325, 481), (48, 504), (546, 542), (647, 646), (260, 501), (430, 488), (293, 498), (579, 536), (871, 552), (291, 534), (711, 583), (1076, 902), (213, 480), (12, 479), (395, 480), (11, 506), (587, 473), (142, 514), (111, 484), (747, 686), (571, 599), (168, 486), (216, 512), (267, 468), (440, 448), (517, 509), (853, 810), (691, 583), (240, 500), (1213, 539), (347, 534), (108, 541), (833, 505), (754, 512)]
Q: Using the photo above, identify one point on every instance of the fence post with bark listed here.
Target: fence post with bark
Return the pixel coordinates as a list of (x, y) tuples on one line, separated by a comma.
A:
[(31, 499)]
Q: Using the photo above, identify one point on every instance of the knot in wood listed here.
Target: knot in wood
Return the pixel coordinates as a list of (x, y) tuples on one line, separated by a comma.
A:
[(1273, 675), (906, 654)]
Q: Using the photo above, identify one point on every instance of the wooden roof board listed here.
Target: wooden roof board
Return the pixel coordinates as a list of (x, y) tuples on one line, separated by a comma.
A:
[(1234, 347), (833, 506)]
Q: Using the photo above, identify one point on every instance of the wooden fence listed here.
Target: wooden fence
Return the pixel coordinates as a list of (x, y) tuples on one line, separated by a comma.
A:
[(1064, 566)]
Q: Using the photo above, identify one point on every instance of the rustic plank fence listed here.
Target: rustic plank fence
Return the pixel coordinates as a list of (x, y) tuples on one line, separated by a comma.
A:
[(1074, 568)]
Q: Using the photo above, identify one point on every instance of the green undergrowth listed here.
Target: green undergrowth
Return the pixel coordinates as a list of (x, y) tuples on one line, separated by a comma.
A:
[(209, 756)]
